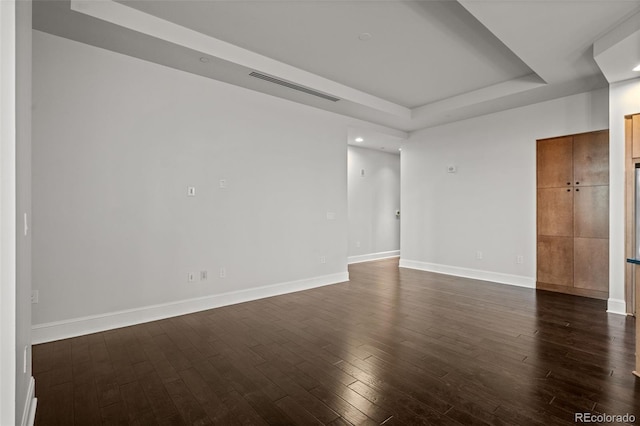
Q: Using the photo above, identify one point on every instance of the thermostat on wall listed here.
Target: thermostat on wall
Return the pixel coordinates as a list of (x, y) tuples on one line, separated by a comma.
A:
[(452, 169)]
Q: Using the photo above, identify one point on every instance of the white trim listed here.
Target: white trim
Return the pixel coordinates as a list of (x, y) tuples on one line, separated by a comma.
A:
[(373, 256), (8, 325), (616, 306), (48, 332), (29, 412), (477, 274)]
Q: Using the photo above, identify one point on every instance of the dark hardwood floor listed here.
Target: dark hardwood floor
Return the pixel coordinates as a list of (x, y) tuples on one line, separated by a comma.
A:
[(392, 346)]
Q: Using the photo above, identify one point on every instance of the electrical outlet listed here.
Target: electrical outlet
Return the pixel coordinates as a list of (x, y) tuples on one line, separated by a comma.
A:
[(35, 296), (223, 272), (358, 244), (479, 255), (203, 275), (223, 183), (519, 259), (191, 277), (191, 191), (323, 259)]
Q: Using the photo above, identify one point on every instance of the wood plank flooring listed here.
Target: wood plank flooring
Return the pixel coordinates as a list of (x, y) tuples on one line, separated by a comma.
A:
[(392, 346)]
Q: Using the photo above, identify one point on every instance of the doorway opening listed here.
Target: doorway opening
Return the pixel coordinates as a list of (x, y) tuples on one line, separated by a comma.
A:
[(373, 188)]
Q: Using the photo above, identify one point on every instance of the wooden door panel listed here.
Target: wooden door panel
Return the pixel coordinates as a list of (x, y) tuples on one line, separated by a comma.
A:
[(554, 162), (591, 212), (591, 158), (555, 212), (591, 263), (555, 260)]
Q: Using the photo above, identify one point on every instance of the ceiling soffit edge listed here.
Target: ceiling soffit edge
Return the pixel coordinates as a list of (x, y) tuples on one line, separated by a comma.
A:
[(144, 23), (357, 104)]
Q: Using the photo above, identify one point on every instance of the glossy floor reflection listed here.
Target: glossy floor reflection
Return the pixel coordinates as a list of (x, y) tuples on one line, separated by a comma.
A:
[(392, 346)]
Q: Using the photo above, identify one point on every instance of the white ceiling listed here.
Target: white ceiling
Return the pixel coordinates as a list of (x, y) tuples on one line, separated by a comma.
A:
[(363, 137), (414, 46), (425, 63)]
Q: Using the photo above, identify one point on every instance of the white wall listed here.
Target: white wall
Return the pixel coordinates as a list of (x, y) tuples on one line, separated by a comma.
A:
[(8, 302), (16, 384), (374, 229), (624, 99), (116, 143), (25, 384), (489, 204)]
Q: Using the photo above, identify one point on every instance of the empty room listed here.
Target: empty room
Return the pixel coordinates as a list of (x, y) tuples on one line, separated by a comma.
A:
[(319, 212)]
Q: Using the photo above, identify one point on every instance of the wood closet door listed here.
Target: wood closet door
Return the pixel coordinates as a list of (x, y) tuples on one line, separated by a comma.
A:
[(555, 260), (555, 162), (555, 212), (591, 263), (591, 159), (573, 214), (591, 212)]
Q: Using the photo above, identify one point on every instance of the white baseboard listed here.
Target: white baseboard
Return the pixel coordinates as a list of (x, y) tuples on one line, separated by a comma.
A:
[(373, 256), (616, 306), (29, 411), (477, 274), (48, 332)]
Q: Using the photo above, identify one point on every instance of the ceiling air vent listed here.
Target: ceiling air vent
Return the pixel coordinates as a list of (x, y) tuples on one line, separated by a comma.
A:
[(293, 86)]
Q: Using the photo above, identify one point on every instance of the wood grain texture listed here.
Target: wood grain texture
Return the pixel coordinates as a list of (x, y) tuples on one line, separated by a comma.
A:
[(554, 162), (591, 212), (392, 346), (591, 263), (635, 123), (555, 260), (561, 267), (591, 158), (629, 215), (555, 212)]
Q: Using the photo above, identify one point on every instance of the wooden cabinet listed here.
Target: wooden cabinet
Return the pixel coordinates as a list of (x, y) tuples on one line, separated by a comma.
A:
[(573, 214), (591, 212), (555, 212), (555, 260), (554, 162), (591, 263), (591, 159)]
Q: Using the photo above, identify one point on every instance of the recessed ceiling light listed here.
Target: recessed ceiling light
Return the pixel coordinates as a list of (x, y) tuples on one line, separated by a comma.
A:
[(399, 149), (204, 60), (637, 68), (359, 139), (364, 36)]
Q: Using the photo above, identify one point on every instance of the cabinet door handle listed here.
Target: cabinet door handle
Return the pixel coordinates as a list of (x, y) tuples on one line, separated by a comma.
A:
[(577, 183), (568, 183), (577, 189), (568, 190)]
